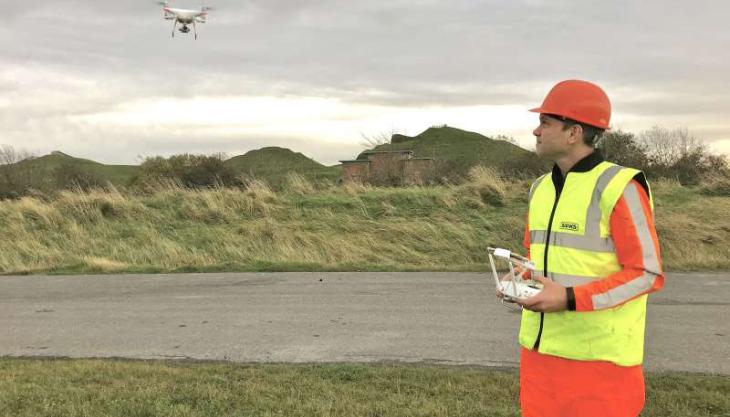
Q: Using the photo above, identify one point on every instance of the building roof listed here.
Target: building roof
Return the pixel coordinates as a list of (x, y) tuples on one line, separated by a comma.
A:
[(398, 151)]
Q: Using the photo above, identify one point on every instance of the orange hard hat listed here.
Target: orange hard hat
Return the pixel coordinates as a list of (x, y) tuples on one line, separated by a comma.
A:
[(580, 101)]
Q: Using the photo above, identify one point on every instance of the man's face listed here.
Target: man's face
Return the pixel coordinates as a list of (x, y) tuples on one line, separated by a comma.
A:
[(552, 140)]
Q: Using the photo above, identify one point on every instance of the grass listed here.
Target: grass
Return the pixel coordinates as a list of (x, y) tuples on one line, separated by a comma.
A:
[(315, 227), (131, 388)]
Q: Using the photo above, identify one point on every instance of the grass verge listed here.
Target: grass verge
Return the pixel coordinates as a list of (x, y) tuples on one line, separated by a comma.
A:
[(129, 388), (309, 227)]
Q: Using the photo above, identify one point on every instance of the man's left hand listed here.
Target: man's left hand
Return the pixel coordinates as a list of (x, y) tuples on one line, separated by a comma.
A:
[(551, 299)]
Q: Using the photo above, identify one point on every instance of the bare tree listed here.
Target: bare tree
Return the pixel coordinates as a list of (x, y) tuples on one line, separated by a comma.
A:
[(382, 138), (676, 153), (15, 178), (666, 146), (9, 155)]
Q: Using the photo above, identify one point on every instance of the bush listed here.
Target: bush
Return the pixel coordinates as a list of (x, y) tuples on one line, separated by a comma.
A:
[(675, 153), (664, 153), (716, 185), (525, 165), (447, 172), (16, 178), (190, 171), (70, 176), (623, 148)]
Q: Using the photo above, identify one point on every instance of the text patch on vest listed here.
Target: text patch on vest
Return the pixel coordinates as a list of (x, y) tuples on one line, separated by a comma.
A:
[(573, 227)]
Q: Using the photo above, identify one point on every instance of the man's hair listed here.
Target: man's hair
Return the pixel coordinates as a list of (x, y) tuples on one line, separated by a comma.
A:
[(591, 134)]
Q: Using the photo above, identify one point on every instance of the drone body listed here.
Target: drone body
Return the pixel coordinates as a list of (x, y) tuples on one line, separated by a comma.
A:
[(185, 17)]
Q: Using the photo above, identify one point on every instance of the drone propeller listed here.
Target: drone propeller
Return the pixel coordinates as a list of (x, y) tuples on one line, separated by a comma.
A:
[(163, 3)]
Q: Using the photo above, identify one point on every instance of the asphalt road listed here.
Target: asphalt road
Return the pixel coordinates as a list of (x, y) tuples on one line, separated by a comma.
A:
[(445, 318)]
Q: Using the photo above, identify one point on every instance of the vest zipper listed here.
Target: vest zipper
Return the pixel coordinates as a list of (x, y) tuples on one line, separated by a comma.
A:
[(545, 260)]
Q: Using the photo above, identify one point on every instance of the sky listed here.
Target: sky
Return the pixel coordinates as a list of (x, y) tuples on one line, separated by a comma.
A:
[(105, 80)]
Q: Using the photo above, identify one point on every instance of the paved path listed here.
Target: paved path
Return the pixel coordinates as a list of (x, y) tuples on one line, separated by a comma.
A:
[(449, 318)]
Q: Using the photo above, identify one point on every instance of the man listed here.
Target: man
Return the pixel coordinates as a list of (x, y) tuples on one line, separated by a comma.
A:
[(591, 235)]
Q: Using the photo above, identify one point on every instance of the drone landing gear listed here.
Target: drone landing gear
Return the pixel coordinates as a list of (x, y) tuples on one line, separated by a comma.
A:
[(184, 29)]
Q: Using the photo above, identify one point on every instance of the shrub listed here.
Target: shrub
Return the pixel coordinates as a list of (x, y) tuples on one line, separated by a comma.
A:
[(524, 165), (71, 176), (716, 185), (190, 171), (675, 153), (624, 149), (17, 178), (664, 153)]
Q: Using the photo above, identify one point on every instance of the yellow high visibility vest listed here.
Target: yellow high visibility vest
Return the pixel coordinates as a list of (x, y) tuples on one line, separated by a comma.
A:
[(577, 246)]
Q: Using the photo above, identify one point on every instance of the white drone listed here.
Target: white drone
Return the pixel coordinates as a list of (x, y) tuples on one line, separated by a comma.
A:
[(185, 17), (514, 286)]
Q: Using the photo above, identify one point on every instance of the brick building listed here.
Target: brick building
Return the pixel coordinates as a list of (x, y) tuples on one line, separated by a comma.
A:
[(389, 168)]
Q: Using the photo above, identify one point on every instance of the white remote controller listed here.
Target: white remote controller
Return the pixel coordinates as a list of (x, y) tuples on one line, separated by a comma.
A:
[(515, 288), (518, 290)]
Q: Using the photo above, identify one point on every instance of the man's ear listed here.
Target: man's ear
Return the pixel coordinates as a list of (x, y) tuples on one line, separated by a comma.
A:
[(576, 134)]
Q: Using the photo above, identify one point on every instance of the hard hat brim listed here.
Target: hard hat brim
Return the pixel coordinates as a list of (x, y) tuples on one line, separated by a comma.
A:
[(543, 110)]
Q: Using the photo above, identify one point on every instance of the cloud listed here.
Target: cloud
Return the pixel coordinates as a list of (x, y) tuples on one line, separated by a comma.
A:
[(82, 67), (721, 146)]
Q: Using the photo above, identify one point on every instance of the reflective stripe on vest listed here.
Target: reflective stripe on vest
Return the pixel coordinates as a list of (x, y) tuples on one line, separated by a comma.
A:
[(582, 250)]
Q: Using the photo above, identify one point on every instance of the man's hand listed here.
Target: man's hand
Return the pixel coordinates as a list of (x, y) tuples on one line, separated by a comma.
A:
[(508, 277), (551, 299)]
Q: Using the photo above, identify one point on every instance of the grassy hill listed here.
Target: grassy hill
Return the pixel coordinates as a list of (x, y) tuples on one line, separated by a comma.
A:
[(273, 164), (458, 150), (46, 165), (455, 151)]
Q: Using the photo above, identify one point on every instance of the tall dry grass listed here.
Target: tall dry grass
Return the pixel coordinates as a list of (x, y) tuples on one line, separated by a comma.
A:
[(487, 183), (308, 227), (298, 184)]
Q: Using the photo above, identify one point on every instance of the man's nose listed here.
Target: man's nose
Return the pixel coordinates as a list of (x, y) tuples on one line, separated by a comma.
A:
[(536, 132)]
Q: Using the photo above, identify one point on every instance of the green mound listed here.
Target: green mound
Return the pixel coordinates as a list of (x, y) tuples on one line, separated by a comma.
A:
[(46, 165), (272, 159), (273, 164), (456, 151)]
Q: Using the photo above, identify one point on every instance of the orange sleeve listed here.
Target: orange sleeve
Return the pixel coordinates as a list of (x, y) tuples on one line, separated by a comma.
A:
[(637, 249)]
